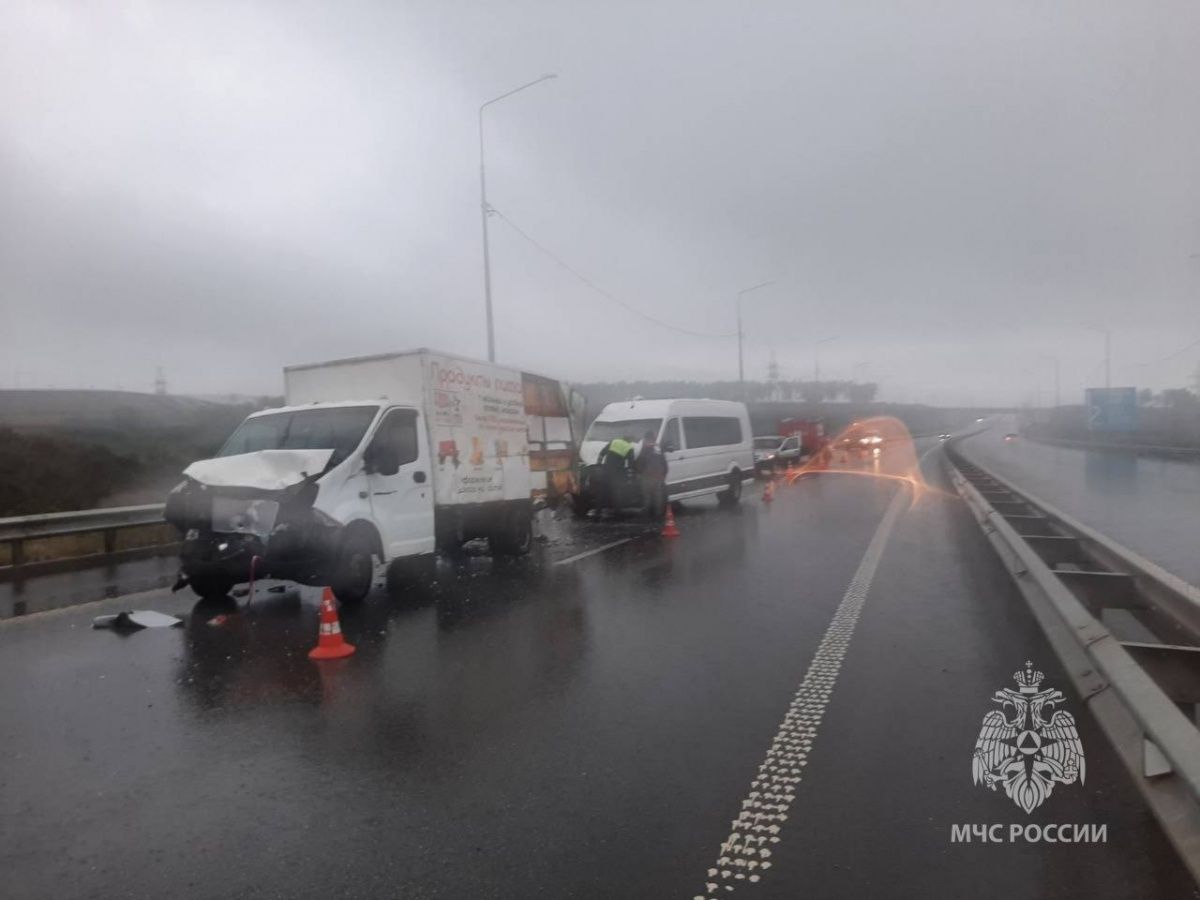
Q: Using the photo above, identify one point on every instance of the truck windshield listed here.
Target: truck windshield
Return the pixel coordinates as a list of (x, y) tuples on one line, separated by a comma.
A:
[(340, 429), (633, 429), (767, 443)]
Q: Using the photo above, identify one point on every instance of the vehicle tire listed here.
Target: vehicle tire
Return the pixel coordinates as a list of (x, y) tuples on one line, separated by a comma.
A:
[(409, 572), (732, 495), (513, 535), (211, 587), (355, 573)]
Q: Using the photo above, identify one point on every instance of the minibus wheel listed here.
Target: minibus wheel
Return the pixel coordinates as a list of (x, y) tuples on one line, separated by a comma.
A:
[(732, 495)]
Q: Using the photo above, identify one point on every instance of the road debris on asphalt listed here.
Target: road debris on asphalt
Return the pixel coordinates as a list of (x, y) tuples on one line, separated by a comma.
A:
[(137, 619)]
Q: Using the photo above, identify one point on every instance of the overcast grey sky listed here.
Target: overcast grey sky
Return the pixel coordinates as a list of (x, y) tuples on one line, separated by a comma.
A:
[(954, 190)]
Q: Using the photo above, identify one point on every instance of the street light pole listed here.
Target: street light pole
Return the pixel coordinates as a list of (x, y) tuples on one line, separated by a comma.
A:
[(485, 210), (741, 366)]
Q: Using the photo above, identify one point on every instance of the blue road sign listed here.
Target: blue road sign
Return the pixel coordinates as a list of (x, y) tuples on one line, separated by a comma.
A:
[(1112, 409)]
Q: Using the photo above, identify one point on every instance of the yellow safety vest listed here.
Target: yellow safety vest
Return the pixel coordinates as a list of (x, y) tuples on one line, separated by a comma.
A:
[(620, 446)]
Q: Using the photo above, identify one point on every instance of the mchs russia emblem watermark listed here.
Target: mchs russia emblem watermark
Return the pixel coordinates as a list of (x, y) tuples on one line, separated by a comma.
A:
[(1028, 745)]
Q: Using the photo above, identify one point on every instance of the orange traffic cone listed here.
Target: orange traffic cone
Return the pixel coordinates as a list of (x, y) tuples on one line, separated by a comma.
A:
[(330, 643), (768, 494), (669, 529)]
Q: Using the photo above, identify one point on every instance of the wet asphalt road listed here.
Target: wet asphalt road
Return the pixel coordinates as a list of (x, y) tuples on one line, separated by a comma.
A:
[(1149, 505), (586, 730)]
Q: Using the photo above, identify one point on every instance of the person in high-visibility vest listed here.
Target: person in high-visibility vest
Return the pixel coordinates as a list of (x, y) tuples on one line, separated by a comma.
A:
[(615, 461)]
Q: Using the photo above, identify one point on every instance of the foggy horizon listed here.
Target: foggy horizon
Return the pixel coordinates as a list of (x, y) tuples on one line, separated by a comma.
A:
[(956, 196)]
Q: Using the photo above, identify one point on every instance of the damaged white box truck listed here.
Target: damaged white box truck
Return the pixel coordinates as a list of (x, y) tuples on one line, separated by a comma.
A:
[(377, 459)]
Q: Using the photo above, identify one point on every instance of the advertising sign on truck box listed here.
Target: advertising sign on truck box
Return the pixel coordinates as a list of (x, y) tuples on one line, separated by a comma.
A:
[(479, 431)]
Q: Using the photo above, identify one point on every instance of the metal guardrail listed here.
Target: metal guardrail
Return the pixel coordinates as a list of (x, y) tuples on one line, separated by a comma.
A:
[(1138, 672), (15, 531)]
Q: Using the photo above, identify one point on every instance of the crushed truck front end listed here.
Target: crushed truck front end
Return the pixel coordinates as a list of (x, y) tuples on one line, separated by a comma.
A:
[(262, 507)]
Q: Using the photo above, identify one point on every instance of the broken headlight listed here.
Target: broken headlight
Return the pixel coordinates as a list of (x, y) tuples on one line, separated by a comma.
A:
[(231, 515)]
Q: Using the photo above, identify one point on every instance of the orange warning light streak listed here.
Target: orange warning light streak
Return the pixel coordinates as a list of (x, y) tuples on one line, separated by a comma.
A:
[(892, 435)]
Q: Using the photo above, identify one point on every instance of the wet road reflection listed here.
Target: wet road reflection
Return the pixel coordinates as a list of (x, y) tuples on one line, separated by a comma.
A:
[(1151, 506), (519, 729), (493, 709)]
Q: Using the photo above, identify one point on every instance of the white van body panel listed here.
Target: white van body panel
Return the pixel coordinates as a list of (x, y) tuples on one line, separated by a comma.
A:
[(401, 504), (399, 508), (692, 471), (631, 410), (395, 378), (476, 425)]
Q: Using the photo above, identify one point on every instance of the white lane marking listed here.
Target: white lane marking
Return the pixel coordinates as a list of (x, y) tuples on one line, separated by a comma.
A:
[(746, 853), (586, 553)]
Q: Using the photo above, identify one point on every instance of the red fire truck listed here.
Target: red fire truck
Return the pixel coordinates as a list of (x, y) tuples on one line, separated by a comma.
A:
[(811, 432)]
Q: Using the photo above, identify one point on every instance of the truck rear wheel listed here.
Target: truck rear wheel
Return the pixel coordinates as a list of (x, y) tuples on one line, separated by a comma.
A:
[(409, 572), (513, 534)]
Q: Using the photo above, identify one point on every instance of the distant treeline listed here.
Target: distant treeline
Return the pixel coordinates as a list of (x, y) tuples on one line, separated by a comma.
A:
[(68, 450), (54, 473), (766, 413), (602, 392)]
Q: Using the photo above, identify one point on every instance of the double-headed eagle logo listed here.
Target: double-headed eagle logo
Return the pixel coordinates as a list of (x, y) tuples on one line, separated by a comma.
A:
[(1025, 752)]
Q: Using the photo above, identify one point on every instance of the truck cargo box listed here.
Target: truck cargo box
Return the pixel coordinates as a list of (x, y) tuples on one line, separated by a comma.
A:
[(495, 433)]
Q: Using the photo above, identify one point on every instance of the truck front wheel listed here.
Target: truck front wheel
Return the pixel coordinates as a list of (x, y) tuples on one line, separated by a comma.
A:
[(355, 573), (513, 534), (210, 587)]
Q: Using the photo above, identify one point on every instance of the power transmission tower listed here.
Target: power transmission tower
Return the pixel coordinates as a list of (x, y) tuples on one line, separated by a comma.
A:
[(773, 392)]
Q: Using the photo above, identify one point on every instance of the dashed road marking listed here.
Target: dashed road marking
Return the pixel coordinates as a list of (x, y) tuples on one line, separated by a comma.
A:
[(585, 554), (745, 856)]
